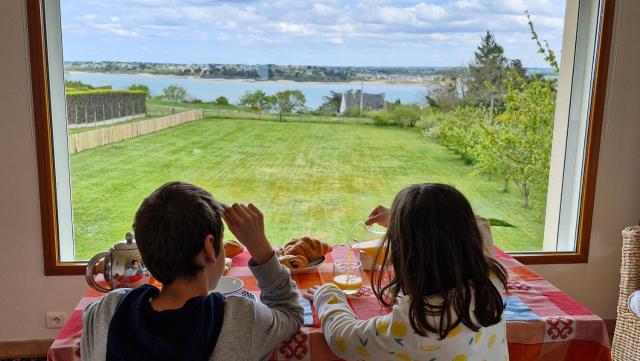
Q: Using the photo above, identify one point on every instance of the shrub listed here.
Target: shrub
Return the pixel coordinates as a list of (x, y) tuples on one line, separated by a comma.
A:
[(405, 115), (141, 87), (174, 93), (352, 112), (428, 124), (380, 118), (77, 85), (222, 100)]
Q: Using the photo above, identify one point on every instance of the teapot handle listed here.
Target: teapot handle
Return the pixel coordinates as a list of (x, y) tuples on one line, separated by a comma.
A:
[(89, 273)]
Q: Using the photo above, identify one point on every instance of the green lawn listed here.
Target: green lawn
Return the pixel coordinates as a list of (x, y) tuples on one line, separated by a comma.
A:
[(308, 178)]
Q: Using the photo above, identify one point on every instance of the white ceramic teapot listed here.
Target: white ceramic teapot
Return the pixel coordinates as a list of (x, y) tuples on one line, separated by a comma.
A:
[(121, 267)]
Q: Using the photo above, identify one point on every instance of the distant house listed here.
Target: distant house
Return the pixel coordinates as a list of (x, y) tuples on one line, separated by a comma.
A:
[(353, 100)]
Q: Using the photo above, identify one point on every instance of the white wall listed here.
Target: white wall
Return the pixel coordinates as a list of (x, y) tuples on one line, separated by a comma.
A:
[(26, 294)]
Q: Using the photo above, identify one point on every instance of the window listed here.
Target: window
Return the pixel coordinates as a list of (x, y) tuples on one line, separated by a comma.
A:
[(119, 111)]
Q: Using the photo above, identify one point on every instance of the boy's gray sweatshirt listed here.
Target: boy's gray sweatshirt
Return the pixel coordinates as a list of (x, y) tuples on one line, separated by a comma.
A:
[(250, 330)]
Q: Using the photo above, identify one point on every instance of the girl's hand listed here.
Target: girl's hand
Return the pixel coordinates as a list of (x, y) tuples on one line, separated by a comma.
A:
[(380, 215), (310, 294), (247, 224)]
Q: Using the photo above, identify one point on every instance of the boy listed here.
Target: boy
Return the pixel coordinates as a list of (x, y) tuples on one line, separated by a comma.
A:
[(179, 233)]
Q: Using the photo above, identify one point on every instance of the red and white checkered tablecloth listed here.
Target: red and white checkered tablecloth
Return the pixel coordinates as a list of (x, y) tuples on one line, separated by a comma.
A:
[(543, 323)]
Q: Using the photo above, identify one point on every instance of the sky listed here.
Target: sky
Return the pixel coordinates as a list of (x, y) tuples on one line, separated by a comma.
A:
[(302, 32)]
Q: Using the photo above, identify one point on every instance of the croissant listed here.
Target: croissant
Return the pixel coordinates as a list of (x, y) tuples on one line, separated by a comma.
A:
[(310, 248), (292, 261), (233, 248)]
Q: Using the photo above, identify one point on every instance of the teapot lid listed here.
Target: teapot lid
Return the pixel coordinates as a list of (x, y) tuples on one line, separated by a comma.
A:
[(128, 243)]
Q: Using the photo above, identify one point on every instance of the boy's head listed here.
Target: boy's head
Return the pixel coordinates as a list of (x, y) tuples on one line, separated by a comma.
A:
[(179, 229)]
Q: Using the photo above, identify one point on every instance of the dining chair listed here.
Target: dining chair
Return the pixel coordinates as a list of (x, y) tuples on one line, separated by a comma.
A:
[(626, 338)]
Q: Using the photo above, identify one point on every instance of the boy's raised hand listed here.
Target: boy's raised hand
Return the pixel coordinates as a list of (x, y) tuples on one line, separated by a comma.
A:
[(247, 224), (380, 215)]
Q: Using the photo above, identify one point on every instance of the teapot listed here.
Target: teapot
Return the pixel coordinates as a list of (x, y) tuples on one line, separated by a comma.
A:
[(121, 267)]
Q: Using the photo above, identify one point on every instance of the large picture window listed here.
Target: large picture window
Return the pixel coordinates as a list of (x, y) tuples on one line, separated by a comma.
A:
[(318, 112)]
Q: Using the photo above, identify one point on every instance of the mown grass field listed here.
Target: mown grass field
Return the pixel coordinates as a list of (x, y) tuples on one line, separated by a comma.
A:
[(308, 178)]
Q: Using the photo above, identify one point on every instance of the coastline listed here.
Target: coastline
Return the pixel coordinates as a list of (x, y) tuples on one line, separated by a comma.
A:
[(280, 81)]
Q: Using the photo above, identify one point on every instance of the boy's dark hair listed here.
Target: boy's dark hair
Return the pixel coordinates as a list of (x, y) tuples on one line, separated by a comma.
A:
[(435, 248), (170, 227)]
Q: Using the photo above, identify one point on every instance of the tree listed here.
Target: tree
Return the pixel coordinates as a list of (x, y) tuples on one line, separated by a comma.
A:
[(521, 137), (487, 73), (142, 88), (222, 100), (174, 93), (331, 103), (516, 74), (258, 100), (545, 50), (289, 101), (460, 131), (444, 95)]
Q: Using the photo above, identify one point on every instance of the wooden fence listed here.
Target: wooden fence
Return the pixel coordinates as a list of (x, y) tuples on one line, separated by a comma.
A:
[(107, 135)]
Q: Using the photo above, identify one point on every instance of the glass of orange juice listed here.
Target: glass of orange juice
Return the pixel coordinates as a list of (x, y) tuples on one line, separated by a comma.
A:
[(347, 275)]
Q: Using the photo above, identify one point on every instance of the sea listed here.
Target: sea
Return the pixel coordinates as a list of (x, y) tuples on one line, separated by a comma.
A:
[(210, 89)]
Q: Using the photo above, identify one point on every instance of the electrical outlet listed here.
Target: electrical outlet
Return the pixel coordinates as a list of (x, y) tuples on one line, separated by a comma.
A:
[(56, 319)]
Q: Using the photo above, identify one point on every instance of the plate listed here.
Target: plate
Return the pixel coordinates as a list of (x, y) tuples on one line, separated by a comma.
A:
[(229, 286), (311, 267)]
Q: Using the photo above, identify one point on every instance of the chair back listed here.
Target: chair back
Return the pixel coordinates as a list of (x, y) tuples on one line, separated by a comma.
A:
[(626, 339)]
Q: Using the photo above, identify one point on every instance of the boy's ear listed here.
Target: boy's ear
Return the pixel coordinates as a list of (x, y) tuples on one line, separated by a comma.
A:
[(209, 251)]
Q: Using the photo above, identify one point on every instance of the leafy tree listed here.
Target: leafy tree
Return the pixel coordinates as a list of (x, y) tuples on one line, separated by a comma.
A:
[(545, 50), (487, 73), (174, 93), (516, 74), (460, 131), (289, 101), (444, 95), (520, 139), (258, 100), (222, 100), (331, 103), (142, 88)]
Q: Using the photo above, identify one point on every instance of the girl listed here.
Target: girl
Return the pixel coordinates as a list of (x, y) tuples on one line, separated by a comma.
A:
[(444, 294)]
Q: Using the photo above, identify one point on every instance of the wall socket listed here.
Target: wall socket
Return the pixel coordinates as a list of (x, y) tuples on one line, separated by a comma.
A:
[(56, 319)]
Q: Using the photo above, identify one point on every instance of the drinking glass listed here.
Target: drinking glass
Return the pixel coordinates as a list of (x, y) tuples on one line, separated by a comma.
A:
[(347, 275)]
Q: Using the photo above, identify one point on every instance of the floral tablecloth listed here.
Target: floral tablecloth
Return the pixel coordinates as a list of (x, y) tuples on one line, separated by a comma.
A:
[(543, 323)]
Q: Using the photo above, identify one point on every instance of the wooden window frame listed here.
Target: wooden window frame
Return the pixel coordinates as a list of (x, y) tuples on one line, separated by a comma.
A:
[(46, 174)]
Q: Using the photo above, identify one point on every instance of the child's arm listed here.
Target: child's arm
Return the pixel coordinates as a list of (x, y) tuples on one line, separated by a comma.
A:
[(280, 314), (379, 338)]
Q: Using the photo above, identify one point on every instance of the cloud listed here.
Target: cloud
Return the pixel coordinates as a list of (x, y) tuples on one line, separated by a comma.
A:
[(294, 29), (110, 26), (368, 26)]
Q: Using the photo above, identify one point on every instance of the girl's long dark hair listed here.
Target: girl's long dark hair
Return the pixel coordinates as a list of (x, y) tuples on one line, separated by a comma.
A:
[(435, 249)]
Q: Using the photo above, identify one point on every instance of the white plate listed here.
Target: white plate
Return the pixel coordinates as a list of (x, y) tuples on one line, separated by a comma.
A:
[(229, 285), (311, 267)]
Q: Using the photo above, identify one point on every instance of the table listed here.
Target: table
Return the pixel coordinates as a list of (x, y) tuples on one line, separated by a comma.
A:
[(543, 323)]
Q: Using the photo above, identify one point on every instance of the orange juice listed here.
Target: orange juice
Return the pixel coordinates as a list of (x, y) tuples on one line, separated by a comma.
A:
[(371, 249), (348, 283)]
